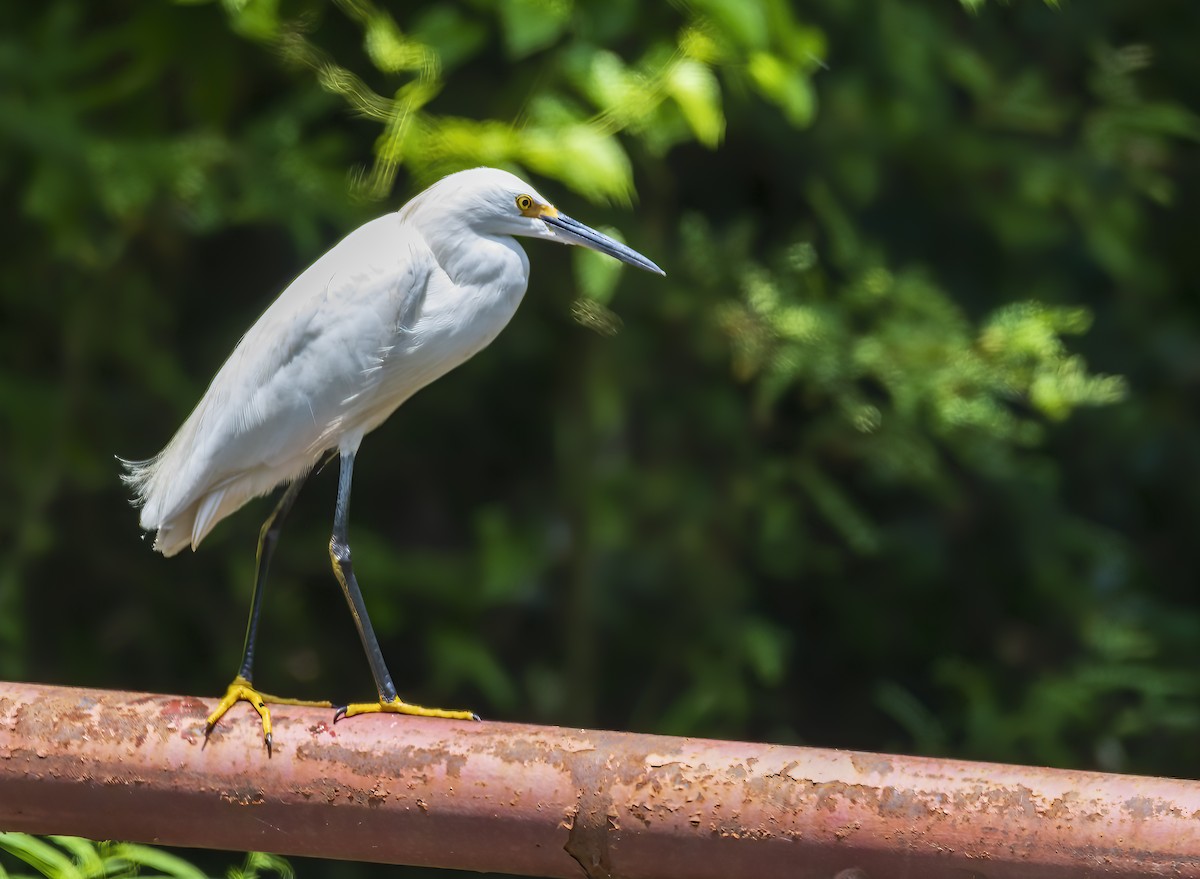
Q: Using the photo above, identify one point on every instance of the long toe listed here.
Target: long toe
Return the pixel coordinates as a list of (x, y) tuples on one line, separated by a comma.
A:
[(240, 690), (399, 706)]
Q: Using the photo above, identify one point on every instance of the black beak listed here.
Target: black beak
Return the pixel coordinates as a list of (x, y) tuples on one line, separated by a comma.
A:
[(575, 232)]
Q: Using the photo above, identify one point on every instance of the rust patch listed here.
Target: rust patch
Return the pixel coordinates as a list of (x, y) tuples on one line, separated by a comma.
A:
[(642, 812), (183, 707), (244, 797), (1063, 808), (877, 764), (336, 790), (1147, 808), (846, 829), (588, 821), (906, 804), (568, 819), (321, 727), (402, 762)]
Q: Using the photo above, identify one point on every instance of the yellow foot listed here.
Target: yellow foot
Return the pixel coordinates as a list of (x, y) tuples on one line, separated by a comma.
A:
[(399, 706), (242, 691)]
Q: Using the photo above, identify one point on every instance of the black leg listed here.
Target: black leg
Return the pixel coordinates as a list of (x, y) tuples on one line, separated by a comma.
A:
[(242, 689), (267, 538), (343, 569)]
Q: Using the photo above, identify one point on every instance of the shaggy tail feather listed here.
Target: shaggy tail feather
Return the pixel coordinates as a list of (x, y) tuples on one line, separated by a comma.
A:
[(139, 478)]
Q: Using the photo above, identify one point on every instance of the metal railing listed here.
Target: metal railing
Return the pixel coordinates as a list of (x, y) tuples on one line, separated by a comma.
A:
[(547, 801)]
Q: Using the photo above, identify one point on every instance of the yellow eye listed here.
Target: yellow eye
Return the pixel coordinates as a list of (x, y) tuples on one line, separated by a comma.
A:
[(524, 203)]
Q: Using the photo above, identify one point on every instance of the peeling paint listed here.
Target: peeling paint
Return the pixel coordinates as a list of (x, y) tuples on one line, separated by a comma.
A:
[(566, 802)]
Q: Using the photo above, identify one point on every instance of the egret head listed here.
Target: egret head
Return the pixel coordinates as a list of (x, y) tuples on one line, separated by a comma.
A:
[(495, 202)]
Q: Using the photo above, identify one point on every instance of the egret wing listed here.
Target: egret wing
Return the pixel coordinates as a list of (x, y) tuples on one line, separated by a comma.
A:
[(302, 374)]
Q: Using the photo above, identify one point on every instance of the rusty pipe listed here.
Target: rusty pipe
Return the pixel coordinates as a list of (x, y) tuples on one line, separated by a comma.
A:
[(546, 801)]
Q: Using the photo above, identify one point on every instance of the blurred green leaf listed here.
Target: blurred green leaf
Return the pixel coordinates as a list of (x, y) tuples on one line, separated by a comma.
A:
[(156, 859), (786, 86), (532, 25), (695, 89), (43, 857)]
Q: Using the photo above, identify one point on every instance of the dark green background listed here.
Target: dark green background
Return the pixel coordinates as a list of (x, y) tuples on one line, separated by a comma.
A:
[(902, 454)]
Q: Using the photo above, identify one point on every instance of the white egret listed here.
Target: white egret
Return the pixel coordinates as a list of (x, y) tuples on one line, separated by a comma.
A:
[(395, 305)]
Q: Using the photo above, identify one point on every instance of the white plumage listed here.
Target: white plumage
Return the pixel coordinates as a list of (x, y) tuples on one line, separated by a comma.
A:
[(396, 304)]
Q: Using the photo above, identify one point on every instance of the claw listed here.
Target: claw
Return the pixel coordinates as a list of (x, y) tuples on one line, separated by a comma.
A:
[(241, 690)]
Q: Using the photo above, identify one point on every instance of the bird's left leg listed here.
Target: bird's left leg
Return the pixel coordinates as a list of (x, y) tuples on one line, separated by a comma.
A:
[(343, 569), (241, 689)]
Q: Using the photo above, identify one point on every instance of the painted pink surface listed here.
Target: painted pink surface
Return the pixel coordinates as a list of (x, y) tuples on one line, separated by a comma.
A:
[(548, 801)]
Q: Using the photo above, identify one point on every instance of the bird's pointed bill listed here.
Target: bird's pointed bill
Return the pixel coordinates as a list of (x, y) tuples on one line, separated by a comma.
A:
[(575, 232)]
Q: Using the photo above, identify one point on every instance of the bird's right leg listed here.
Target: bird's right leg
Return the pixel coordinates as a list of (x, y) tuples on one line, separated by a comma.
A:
[(241, 689)]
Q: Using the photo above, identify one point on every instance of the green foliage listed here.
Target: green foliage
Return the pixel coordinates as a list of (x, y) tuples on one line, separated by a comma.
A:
[(69, 857), (586, 96), (902, 453)]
